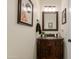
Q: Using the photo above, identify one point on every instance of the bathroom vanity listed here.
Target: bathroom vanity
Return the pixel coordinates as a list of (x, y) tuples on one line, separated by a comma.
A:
[(50, 48)]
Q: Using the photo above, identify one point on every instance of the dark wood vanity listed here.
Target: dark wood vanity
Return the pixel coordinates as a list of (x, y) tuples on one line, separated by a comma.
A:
[(50, 48)]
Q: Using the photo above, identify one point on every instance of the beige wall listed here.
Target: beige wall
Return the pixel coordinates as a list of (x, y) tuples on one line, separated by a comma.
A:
[(66, 29), (21, 39)]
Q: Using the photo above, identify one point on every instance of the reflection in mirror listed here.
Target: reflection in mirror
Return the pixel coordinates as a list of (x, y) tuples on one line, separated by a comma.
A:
[(50, 21)]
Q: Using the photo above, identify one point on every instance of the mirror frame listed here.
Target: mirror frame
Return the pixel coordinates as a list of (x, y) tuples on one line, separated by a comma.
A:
[(44, 19)]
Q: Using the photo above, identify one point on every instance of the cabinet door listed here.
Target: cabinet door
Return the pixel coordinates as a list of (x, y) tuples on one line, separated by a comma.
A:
[(59, 49), (42, 49), (45, 48), (50, 44), (50, 49)]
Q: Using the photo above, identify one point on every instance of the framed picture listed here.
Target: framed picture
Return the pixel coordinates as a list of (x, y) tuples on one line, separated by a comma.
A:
[(25, 12), (64, 16)]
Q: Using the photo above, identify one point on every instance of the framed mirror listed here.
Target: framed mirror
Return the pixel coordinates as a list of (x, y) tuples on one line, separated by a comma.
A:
[(50, 21)]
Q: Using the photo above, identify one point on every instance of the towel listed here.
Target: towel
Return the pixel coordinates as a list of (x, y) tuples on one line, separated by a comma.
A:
[(38, 28)]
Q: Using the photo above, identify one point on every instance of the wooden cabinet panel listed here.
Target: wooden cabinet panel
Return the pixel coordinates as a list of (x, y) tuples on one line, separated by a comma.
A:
[(50, 49)]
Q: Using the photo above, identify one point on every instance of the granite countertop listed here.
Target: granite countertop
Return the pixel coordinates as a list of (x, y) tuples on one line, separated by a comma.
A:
[(49, 38)]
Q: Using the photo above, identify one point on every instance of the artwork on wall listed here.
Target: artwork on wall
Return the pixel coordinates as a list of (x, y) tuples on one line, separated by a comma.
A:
[(64, 16), (25, 12)]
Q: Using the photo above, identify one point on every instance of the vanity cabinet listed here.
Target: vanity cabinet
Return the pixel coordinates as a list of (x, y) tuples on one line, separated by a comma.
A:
[(50, 49)]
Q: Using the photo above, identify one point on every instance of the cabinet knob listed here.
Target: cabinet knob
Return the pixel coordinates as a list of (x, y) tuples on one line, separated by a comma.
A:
[(69, 40)]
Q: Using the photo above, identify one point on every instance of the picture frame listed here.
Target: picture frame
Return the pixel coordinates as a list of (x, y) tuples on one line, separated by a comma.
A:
[(25, 12), (64, 16)]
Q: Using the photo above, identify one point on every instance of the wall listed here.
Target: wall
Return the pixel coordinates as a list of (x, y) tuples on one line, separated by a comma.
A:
[(56, 3), (66, 28), (21, 39)]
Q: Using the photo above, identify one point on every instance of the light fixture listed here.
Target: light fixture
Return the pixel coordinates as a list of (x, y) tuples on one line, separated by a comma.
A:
[(54, 8), (46, 8), (50, 8)]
